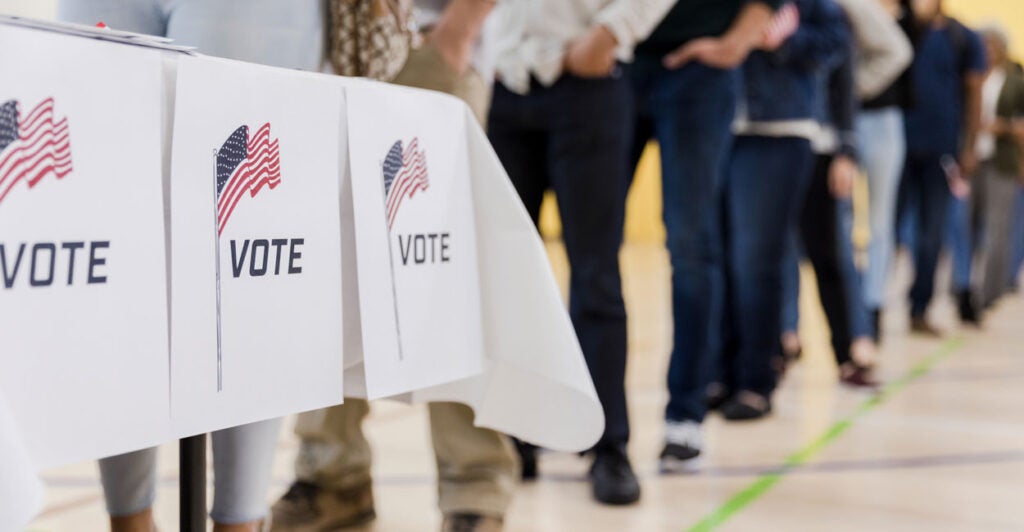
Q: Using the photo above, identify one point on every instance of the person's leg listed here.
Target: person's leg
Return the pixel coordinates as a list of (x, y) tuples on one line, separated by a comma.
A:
[(692, 109), (476, 468), (588, 158), (959, 233), (931, 194), (129, 489), (243, 457), (790, 317), (515, 129), (995, 252), (883, 151), (818, 230), (332, 485), (1017, 236), (766, 176)]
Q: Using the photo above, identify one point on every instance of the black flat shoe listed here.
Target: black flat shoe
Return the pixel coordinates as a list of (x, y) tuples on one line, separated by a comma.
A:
[(746, 406)]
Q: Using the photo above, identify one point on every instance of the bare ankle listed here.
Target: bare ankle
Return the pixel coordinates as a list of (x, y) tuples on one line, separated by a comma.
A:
[(138, 522)]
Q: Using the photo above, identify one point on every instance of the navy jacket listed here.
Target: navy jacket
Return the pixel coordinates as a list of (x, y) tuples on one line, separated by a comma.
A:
[(783, 85)]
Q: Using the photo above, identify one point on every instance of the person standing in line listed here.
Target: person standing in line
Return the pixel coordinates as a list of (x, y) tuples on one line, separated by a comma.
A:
[(685, 86), (882, 138), (477, 467), (559, 120), (878, 54), (767, 175), (999, 150), (262, 31), (943, 124)]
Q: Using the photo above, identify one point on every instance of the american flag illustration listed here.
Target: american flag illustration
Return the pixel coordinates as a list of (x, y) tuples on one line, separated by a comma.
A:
[(33, 146), (245, 165), (782, 26), (405, 173)]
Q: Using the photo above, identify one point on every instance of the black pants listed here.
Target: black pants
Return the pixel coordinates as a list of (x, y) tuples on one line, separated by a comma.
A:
[(574, 137), (822, 237)]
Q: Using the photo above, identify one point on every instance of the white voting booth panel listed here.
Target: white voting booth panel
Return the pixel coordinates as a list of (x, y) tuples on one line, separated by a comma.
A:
[(255, 229), (83, 304), (419, 295)]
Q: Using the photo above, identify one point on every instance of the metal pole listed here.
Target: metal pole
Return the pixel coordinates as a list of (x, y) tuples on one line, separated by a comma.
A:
[(192, 483)]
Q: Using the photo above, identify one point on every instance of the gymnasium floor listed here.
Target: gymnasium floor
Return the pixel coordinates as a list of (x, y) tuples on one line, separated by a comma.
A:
[(942, 449)]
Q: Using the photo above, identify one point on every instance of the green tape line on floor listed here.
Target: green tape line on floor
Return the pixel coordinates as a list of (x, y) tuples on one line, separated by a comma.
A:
[(766, 481)]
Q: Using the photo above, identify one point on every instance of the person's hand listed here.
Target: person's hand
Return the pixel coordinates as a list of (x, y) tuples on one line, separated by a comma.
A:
[(455, 47), (717, 52), (592, 55), (968, 162), (841, 175)]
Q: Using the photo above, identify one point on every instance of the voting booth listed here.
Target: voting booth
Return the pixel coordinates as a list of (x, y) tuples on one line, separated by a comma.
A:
[(189, 244)]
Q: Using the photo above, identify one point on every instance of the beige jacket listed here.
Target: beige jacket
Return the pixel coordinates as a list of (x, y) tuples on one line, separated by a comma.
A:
[(883, 50)]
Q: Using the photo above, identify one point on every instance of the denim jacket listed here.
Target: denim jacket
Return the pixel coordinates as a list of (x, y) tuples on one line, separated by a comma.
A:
[(781, 85)]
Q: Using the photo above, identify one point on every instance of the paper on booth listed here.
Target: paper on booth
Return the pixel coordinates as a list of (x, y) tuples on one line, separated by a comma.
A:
[(256, 244), (83, 290), (21, 492), (536, 385), (419, 296)]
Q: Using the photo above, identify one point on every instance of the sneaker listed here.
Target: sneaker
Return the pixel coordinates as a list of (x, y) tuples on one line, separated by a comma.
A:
[(684, 441), (612, 478), (306, 507), (747, 406), (470, 522), (921, 326)]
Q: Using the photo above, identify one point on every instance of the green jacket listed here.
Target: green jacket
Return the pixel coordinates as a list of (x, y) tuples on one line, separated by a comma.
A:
[(1010, 107)]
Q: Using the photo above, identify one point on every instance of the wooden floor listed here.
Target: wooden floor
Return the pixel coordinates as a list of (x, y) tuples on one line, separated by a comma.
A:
[(942, 450)]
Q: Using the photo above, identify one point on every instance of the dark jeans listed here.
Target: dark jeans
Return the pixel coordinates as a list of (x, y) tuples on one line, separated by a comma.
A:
[(926, 200), (826, 237), (765, 183), (572, 137), (689, 112)]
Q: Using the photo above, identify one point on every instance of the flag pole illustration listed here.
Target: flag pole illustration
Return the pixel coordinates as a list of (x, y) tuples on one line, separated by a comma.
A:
[(405, 173), (216, 247), (241, 165), (32, 146)]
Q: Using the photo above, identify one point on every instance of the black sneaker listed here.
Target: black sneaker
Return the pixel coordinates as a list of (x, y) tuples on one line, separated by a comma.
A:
[(969, 314), (747, 406), (683, 444), (715, 395), (612, 478)]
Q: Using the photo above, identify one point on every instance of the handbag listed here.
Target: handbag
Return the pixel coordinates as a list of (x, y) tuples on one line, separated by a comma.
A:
[(370, 38)]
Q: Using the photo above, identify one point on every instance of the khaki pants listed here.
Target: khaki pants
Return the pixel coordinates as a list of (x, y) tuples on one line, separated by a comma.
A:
[(477, 468)]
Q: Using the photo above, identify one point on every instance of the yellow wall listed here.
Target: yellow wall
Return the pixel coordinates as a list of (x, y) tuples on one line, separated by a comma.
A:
[(643, 209)]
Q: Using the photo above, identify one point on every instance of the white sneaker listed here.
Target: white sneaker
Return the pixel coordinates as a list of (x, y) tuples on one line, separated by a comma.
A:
[(684, 441)]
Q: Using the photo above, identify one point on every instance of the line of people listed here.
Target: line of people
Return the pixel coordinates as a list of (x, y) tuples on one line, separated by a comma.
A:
[(764, 111)]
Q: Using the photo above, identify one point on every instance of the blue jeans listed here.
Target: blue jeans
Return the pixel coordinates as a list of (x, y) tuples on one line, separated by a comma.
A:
[(570, 137), (285, 34), (689, 112), (765, 183), (964, 234), (927, 199), (883, 151)]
